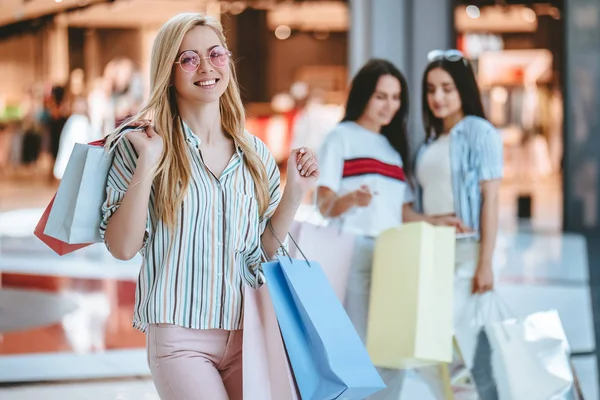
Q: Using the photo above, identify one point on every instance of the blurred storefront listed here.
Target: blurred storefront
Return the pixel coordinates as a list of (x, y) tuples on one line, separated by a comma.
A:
[(538, 64), (294, 60), (291, 60), (517, 48)]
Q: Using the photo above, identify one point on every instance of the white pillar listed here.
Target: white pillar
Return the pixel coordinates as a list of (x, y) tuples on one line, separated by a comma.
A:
[(147, 36), (390, 36), (403, 32), (377, 29), (358, 35), (58, 51), (91, 54), (432, 27)]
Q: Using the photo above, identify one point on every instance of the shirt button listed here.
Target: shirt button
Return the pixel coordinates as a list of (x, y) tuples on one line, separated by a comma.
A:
[(219, 244)]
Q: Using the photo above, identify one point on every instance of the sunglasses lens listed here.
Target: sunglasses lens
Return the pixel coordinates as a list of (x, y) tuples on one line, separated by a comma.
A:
[(454, 55), (435, 55), (219, 57), (189, 61), (450, 55)]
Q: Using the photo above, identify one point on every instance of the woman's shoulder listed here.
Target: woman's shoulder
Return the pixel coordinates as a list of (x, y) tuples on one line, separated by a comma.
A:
[(346, 127), (259, 146), (341, 132), (479, 133), (473, 124)]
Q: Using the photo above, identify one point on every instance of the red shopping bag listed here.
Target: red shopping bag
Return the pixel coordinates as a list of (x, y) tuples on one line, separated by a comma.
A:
[(59, 247)]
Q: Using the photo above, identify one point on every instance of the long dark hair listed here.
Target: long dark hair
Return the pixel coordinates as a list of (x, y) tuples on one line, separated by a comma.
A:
[(361, 90), (464, 78)]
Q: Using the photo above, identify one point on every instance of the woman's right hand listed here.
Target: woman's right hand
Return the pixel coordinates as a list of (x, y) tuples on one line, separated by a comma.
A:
[(147, 143), (363, 196)]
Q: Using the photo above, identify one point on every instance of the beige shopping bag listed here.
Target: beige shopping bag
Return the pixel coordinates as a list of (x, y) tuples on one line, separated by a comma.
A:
[(411, 308)]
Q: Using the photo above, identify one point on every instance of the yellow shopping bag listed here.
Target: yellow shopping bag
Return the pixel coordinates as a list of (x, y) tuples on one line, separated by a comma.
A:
[(411, 307)]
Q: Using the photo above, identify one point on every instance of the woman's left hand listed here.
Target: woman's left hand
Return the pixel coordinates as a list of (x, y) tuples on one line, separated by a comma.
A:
[(483, 281), (302, 169), (450, 220)]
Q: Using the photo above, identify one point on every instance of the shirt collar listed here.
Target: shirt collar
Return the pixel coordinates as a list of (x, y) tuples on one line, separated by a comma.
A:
[(195, 141)]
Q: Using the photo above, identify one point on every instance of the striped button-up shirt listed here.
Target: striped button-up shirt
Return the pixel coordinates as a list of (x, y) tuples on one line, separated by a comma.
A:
[(215, 247), (475, 156)]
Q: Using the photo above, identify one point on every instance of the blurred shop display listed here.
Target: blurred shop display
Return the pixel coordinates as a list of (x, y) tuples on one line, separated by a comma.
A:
[(38, 131), (518, 51), (101, 52), (521, 100), (515, 58), (302, 116)]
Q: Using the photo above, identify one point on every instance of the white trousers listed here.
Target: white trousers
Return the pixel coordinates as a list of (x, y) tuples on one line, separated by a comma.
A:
[(357, 306), (467, 257)]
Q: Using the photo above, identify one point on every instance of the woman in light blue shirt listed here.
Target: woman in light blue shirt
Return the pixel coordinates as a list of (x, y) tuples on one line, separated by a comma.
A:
[(453, 112), (458, 170)]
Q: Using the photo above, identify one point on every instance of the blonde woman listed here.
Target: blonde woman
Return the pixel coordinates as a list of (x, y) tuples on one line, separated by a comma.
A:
[(194, 192)]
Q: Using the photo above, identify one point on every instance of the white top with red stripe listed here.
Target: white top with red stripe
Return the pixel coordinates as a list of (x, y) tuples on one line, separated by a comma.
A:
[(352, 156)]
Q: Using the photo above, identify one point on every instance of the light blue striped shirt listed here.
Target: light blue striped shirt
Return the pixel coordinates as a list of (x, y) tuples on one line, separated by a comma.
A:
[(216, 244), (475, 156)]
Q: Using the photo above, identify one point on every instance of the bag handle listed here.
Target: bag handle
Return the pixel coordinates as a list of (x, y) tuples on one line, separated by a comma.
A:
[(120, 136), (282, 247)]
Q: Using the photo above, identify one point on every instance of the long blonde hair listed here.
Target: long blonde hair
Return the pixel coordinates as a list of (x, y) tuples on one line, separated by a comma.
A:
[(173, 174)]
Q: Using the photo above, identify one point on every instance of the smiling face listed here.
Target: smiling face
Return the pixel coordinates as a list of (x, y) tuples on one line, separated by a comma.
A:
[(443, 97), (201, 46), (384, 103)]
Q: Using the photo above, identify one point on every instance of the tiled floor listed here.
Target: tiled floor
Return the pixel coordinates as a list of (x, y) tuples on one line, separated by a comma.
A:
[(130, 389), (88, 334)]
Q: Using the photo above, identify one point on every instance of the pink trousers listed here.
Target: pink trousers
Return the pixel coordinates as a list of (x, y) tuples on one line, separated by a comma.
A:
[(193, 364)]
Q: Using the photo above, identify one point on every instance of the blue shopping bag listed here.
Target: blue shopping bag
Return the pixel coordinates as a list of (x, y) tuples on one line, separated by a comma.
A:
[(328, 358)]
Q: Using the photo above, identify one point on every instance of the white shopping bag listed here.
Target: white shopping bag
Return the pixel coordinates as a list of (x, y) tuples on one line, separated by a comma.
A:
[(475, 360), (530, 357), (76, 214)]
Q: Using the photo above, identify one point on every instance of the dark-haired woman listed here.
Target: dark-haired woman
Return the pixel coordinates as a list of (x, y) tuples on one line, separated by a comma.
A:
[(363, 186), (458, 170)]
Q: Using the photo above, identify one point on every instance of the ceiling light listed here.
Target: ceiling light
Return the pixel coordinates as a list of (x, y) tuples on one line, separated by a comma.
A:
[(283, 32), (473, 12)]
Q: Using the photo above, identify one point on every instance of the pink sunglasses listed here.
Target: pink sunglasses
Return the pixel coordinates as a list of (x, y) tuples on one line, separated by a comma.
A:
[(189, 60)]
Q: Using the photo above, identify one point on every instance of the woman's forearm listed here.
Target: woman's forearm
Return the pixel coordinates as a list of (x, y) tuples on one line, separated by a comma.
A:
[(489, 227), (281, 221), (126, 228), (410, 215)]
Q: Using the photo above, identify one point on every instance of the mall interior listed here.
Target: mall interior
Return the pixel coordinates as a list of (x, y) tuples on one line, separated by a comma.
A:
[(65, 321)]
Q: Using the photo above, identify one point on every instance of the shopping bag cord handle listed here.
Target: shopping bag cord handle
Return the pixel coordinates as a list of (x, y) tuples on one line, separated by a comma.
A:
[(120, 135), (283, 247)]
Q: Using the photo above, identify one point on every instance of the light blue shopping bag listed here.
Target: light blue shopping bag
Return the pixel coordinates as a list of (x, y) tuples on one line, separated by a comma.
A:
[(75, 216), (328, 358), (76, 212)]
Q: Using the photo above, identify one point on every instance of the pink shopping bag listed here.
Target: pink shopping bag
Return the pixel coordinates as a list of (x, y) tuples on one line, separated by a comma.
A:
[(267, 373), (329, 247)]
